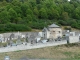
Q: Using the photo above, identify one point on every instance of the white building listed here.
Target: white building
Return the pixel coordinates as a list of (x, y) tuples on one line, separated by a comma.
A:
[(72, 37), (53, 31)]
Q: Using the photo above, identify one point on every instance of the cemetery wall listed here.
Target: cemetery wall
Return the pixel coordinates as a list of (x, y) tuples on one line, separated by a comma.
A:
[(73, 39)]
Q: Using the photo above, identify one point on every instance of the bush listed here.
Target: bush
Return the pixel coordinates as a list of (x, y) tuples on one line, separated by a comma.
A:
[(14, 27), (4, 44), (2, 27)]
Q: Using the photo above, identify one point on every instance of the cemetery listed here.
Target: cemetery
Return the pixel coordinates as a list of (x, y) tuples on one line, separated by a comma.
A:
[(53, 35)]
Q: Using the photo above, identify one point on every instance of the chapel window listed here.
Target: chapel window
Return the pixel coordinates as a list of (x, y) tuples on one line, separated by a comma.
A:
[(59, 32)]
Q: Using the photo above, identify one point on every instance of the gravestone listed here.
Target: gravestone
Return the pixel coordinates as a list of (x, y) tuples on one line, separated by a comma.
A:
[(1, 38), (18, 42), (33, 41), (12, 36), (11, 42)]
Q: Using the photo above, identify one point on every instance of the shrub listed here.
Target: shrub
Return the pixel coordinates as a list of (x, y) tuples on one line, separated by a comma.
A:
[(4, 44), (14, 27)]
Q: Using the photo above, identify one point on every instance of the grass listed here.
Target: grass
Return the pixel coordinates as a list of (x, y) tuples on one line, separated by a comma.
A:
[(55, 53)]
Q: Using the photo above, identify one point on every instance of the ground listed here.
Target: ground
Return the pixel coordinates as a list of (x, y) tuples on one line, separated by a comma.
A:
[(72, 29), (58, 52)]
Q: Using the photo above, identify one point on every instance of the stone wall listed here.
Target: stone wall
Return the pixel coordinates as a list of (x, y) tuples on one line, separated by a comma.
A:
[(73, 39)]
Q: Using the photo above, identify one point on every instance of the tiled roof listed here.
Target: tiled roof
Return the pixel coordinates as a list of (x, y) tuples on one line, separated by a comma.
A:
[(54, 26)]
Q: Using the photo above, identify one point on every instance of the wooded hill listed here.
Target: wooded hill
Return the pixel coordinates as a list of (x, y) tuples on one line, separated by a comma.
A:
[(24, 15)]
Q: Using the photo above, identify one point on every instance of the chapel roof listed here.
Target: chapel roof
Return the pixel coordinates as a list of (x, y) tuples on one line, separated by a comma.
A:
[(45, 29), (54, 26)]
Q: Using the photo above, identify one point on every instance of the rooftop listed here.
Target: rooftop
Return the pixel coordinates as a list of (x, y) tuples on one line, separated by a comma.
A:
[(54, 26), (45, 29)]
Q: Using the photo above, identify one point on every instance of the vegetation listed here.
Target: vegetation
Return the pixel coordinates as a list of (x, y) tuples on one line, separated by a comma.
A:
[(24, 15), (4, 44)]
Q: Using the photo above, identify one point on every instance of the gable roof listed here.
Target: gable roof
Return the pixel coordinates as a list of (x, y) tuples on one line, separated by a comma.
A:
[(54, 26), (45, 29)]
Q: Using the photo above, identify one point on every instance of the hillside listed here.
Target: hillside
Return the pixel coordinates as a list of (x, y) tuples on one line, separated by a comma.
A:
[(25, 15)]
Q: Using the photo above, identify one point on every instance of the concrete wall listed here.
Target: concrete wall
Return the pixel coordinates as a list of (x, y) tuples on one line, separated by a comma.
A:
[(73, 39), (48, 34)]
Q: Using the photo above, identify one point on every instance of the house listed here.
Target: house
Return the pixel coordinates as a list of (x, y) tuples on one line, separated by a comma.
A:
[(52, 32)]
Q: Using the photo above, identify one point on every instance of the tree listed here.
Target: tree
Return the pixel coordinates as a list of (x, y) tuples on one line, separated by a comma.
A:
[(77, 13), (36, 12), (24, 7), (29, 18), (53, 14), (13, 15), (29, 11), (65, 16), (38, 1), (17, 9), (43, 13), (4, 17), (9, 0)]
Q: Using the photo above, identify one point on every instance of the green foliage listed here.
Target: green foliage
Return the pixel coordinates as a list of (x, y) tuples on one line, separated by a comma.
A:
[(23, 15), (4, 17), (13, 15), (14, 27), (4, 44), (43, 13), (14, 41), (65, 16)]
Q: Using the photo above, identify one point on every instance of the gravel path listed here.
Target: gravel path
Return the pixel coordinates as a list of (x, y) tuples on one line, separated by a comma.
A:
[(28, 46)]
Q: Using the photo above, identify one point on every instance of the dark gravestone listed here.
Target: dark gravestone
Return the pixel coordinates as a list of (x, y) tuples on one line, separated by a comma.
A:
[(31, 39), (12, 36), (67, 38)]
